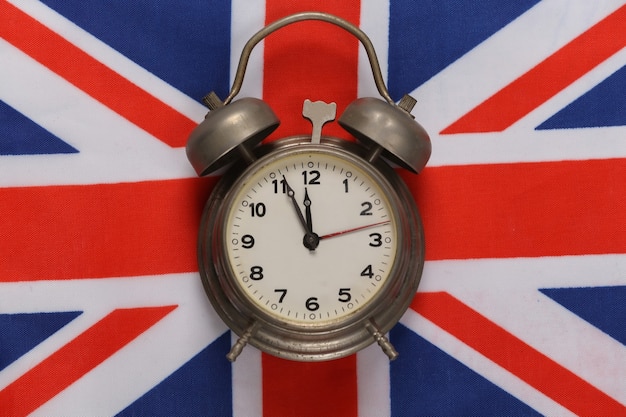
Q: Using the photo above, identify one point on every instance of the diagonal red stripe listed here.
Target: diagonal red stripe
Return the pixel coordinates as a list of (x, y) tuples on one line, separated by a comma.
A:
[(531, 366), (61, 369), (325, 69), (548, 78), (93, 77)]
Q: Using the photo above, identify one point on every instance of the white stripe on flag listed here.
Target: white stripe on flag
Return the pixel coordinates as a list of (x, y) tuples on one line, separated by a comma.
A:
[(482, 365), (372, 364), (247, 382), (505, 56), (113, 59), (506, 291), (373, 382), (247, 17), (495, 63), (179, 336), (111, 149), (372, 13)]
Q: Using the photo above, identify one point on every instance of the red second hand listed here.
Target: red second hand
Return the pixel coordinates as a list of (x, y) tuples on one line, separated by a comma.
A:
[(356, 229)]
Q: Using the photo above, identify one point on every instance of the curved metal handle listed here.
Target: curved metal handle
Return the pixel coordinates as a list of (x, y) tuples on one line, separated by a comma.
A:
[(299, 17)]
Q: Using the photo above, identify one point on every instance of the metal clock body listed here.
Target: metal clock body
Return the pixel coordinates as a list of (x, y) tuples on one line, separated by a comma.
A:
[(320, 300), (310, 247)]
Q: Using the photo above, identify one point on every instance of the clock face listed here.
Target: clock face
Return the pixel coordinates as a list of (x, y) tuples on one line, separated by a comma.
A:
[(311, 236)]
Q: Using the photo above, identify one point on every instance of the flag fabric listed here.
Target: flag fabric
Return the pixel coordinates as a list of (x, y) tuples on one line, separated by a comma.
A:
[(522, 305)]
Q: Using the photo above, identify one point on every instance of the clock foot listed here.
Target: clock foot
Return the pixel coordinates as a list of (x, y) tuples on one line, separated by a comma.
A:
[(235, 351), (382, 340)]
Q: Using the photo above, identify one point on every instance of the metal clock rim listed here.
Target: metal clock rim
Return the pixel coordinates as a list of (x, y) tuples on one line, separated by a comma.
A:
[(330, 149), (268, 336)]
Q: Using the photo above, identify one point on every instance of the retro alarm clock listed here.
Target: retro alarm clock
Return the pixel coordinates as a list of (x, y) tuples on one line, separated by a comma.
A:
[(310, 247)]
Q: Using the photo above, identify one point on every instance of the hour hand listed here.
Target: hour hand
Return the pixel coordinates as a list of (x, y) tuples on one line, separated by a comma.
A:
[(310, 240)]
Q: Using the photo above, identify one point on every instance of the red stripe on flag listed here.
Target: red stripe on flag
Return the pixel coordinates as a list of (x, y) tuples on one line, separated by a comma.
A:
[(511, 353), (309, 389), (318, 61), (310, 60), (548, 78), (482, 211), (93, 77), (523, 209), (61, 369), (103, 230)]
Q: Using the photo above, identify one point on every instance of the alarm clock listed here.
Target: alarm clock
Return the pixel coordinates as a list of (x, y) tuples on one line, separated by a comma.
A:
[(310, 247)]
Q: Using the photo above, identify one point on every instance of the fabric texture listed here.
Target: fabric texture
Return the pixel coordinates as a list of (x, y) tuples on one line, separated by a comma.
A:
[(521, 309)]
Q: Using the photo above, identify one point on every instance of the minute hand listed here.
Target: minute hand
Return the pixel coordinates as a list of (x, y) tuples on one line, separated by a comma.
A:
[(292, 197), (355, 229)]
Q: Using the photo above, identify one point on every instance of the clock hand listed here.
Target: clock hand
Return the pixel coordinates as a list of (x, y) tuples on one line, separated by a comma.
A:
[(291, 194), (355, 229), (310, 240), (307, 208)]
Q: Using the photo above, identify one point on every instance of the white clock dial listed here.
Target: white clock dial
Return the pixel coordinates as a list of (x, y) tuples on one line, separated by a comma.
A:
[(311, 237)]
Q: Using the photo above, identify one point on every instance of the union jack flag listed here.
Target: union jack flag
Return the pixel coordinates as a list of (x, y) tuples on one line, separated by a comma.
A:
[(522, 305)]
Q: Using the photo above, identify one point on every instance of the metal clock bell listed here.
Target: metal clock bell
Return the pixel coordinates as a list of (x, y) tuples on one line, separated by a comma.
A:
[(310, 247)]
